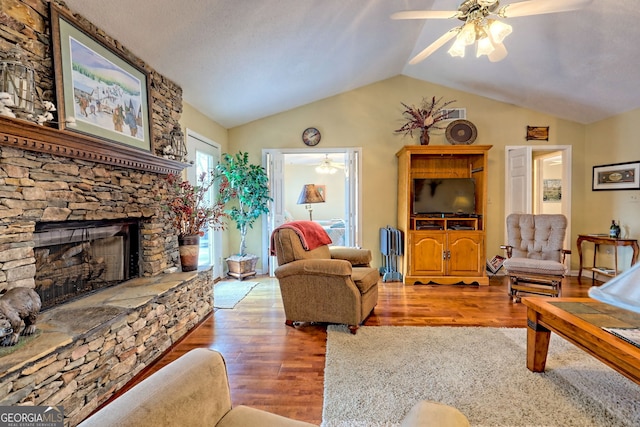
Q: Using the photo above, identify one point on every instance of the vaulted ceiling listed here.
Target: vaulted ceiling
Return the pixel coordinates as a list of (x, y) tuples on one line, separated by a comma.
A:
[(241, 60)]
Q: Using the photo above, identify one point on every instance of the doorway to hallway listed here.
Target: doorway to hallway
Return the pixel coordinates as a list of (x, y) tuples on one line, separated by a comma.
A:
[(538, 181), (335, 171)]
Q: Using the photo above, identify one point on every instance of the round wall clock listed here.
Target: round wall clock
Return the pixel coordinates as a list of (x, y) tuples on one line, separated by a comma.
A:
[(460, 132), (311, 136)]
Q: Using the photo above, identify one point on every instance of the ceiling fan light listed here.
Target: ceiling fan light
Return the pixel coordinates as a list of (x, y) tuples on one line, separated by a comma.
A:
[(499, 53), (326, 167), (499, 30), (467, 34), (485, 47), (457, 48)]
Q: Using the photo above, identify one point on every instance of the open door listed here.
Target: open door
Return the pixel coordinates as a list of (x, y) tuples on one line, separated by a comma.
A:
[(279, 164), (518, 190), (521, 188), (204, 154)]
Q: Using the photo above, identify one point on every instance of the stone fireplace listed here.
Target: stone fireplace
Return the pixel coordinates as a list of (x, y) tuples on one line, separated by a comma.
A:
[(93, 239), (82, 221), (47, 198)]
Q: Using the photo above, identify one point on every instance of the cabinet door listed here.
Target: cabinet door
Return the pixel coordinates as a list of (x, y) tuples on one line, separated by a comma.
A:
[(426, 253), (466, 255)]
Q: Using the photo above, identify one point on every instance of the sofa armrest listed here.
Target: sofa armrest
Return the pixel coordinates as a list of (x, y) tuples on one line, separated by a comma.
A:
[(356, 256), (316, 267), (241, 416), (432, 414), (192, 391)]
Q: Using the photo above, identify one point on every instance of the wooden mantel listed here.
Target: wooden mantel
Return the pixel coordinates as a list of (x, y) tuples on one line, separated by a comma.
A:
[(29, 136)]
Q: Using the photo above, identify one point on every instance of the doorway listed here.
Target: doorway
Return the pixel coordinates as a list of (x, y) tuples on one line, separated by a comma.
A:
[(335, 172), (538, 181), (204, 155)]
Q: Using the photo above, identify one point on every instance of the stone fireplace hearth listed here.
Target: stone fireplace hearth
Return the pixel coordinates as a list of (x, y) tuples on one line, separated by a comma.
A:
[(88, 349)]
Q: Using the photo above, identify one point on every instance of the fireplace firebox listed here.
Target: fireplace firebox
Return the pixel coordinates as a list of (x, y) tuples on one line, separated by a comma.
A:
[(74, 258)]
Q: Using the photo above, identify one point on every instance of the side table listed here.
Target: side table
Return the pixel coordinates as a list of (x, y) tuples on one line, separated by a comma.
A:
[(598, 240)]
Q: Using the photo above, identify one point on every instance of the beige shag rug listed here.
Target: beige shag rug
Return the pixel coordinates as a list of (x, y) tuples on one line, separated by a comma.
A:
[(374, 377), (227, 294)]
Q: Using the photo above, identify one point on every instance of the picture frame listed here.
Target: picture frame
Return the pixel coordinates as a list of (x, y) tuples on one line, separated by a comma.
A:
[(551, 190), (616, 176), (537, 133), (99, 92)]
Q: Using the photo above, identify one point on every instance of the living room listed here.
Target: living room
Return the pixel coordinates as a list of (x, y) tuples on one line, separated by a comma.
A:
[(366, 116)]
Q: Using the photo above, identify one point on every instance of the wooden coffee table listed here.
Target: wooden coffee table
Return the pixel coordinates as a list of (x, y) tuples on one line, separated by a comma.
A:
[(580, 321)]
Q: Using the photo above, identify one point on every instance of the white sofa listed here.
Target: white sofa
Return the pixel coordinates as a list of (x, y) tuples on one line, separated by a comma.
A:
[(194, 391)]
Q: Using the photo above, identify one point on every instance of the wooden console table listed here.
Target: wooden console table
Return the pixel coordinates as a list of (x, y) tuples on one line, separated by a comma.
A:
[(580, 321), (598, 240)]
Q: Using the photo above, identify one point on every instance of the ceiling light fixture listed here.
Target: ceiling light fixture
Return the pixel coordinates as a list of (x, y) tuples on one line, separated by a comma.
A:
[(326, 167), (487, 34), (478, 28)]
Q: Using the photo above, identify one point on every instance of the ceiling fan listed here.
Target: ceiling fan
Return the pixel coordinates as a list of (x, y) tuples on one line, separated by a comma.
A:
[(481, 26), (327, 167)]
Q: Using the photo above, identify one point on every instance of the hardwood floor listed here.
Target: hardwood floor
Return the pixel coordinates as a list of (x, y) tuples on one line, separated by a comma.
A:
[(281, 369)]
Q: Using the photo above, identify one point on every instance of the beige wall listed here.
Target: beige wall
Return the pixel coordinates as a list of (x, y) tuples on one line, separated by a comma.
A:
[(366, 117), (201, 124), (614, 140)]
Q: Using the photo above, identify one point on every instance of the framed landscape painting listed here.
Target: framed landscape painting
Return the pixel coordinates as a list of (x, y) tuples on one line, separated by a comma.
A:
[(106, 95), (619, 176)]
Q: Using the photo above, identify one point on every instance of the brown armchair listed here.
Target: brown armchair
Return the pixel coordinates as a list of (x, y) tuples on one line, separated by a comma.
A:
[(324, 284), (535, 258)]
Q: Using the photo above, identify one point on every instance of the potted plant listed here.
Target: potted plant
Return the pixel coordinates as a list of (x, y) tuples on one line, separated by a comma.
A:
[(244, 190), (193, 214), (424, 117)]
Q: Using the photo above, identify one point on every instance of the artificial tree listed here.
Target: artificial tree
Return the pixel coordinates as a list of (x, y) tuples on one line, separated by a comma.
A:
[(244, 190)]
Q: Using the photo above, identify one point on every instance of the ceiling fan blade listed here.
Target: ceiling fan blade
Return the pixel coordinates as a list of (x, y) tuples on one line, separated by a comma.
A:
[(539, 7), (435, 45), (426, 14)]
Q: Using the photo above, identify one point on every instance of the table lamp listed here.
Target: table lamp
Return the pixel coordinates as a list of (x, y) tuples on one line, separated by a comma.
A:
[(308, 195)]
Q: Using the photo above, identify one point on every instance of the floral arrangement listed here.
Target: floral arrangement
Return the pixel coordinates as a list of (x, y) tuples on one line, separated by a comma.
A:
[(192, 211), (423, 117)]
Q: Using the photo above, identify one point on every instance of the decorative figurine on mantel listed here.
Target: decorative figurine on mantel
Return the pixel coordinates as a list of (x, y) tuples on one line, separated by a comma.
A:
[(19, 308), (424, 117)]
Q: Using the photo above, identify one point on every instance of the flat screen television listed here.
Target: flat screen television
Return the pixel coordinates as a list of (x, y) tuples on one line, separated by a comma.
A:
[(444, 196)]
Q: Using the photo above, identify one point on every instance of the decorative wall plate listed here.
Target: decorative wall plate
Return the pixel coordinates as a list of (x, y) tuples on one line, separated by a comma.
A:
[(461, 132)]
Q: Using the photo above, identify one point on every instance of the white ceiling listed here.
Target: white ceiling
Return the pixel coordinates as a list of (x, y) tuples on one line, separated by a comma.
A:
[(241, 60)]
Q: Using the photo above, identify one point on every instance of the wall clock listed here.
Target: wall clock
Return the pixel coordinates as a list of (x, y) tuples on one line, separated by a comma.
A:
[(311, 136)]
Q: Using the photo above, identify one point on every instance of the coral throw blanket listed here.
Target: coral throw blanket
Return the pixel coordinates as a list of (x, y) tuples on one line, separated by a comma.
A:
[(311, 234)]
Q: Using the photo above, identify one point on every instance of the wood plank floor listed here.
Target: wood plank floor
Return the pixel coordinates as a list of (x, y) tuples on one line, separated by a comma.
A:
[(281, 369)]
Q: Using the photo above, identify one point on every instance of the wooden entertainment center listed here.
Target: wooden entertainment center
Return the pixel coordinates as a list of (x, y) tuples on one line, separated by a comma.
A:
[(443, 248)]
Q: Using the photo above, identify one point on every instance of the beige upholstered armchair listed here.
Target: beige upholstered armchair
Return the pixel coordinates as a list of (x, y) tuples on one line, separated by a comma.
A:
[(324, 284), (535, 258)]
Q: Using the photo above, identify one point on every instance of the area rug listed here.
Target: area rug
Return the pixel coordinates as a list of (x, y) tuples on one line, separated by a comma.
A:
[(374, 377), (227, 294)]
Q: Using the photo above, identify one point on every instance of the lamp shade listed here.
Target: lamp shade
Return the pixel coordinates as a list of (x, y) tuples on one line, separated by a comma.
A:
[(310, 194)]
